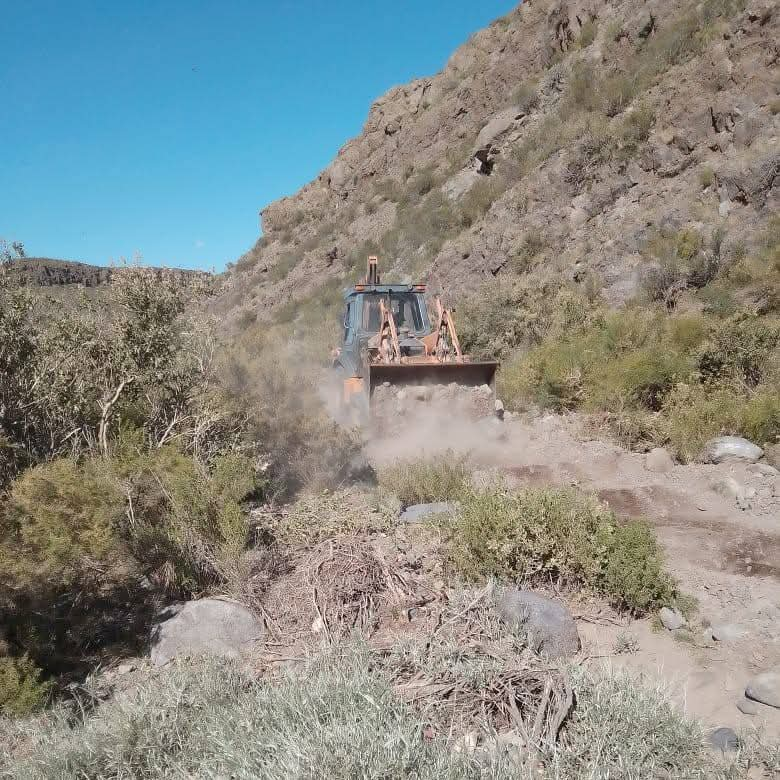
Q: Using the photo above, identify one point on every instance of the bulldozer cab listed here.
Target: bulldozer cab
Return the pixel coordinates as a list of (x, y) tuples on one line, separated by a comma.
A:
[(390, 339), (363, 316)]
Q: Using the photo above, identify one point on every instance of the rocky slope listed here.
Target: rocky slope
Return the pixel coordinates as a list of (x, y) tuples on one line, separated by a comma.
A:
[(47, 272), (554, 145)]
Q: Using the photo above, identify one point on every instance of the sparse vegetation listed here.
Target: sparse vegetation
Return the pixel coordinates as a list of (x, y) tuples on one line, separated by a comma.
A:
[(339, 717)]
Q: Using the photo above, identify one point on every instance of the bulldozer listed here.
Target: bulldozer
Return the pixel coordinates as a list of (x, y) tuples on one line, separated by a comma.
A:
[(390, 339)]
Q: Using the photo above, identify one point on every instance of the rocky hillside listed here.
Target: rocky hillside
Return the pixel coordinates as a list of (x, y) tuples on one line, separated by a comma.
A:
[(64, 278), (559, 145), (47, 272)]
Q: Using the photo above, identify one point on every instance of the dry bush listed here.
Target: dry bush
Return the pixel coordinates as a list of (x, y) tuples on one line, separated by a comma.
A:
[(335, 718), (425, 480), (313, 517), (471, 671), (69, 377)]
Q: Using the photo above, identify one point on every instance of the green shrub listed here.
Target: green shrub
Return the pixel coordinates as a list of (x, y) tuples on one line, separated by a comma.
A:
[(634, 575), (479, 198), (21, 689), (745, 349), (427, 480), (706, 177), (79, 540), (760, 416), (558, 535), (550, 376), (187, 522), (532, 245), (641, 378), (60, 522), (588, 32), (635, 129), (286, 262), (693, 414), (526, 97), (533, 534)]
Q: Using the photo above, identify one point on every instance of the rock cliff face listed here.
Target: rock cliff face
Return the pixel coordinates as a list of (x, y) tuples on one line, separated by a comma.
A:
[(556, 143)]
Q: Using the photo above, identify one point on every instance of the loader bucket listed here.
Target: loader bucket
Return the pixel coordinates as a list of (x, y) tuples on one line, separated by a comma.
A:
[(386, 379)]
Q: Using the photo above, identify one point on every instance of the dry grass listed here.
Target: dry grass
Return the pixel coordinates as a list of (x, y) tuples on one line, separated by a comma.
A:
[(426, 480), (339, 715)]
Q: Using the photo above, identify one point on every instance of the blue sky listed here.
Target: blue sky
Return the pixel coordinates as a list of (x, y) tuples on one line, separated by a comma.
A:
[(161, 128)]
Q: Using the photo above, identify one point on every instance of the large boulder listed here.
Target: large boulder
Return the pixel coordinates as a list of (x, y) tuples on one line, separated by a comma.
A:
[(549, 626), (724, 447), (204, 627), (418, 512), (765, 688)]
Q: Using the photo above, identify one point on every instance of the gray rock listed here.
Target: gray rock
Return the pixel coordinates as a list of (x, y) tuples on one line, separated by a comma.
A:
[(727, 632), (207, 626), (671, 618), (549, 626), (724, 739), (747, 706), (418, 512), (764, 469), (728, 487), (724, 447), (659, 460), (765, 688), (498, 124)]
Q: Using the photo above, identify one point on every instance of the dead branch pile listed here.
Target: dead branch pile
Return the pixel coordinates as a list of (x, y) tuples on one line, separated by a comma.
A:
[(331, 589), (469, 672)]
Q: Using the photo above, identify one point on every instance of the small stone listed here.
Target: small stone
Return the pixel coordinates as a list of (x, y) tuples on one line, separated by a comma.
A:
[(764, 469), (671, 618), (765, 688), (747, 706), (418, 512), (728, 487), (724, 739), (659, 460), (727, 632)]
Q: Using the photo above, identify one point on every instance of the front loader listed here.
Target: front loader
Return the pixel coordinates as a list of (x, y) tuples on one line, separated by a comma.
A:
[(391, 342)]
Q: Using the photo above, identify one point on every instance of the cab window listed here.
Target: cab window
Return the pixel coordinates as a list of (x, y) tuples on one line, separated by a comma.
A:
[(405, 308)]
